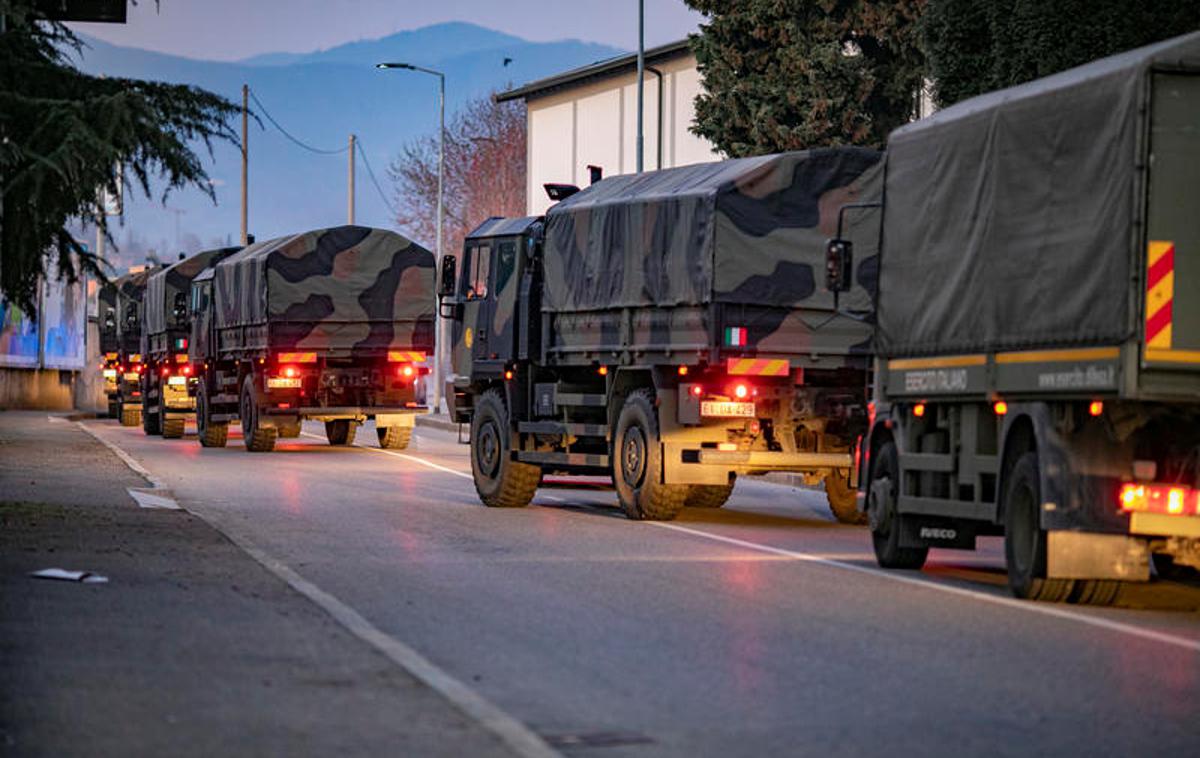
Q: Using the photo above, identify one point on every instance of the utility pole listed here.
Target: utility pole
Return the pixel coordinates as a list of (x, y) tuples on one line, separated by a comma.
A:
[(245, 160), (641, 82), (350, 186)]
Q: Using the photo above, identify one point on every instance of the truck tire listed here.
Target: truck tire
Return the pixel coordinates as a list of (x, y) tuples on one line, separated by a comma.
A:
[(707, 495), (114, 409), (210, 433), (1024, 538), (340, 432), (394, 437), (500, 481), (289, 432), (1095, 591), (131, 416), (843, 500), (172, 428), (256, 438), (637, 463), (883, 517)]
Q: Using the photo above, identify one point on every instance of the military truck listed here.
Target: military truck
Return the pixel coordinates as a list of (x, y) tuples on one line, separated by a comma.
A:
[(169, 380), (1039, 329), (120, 303), (669, 329), (332, 325)]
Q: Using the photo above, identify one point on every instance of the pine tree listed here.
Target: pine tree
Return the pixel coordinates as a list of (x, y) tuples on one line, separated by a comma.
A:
[(976, 46), (794, 74), (63, 135)]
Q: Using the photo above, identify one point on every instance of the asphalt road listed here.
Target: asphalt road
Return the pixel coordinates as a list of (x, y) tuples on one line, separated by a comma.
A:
[(760, 629)]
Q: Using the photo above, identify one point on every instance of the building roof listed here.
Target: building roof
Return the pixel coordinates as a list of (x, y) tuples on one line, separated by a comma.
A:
[(621, 64)]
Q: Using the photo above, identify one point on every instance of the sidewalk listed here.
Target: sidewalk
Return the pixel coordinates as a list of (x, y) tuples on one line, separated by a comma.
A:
[(191, 648)]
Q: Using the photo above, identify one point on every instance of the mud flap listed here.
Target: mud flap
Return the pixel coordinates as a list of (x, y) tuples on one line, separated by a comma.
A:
[(932, 531), (1083, 555)]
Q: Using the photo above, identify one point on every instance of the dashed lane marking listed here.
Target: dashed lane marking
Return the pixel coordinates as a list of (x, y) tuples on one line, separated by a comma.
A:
[(1008, 602)]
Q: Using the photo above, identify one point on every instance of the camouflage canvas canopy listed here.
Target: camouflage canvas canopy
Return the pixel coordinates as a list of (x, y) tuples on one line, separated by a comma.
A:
[(342, 286), (750, 231), (168, 287)]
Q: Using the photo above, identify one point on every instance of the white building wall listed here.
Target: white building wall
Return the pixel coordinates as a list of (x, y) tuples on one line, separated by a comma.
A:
[(596, 124)]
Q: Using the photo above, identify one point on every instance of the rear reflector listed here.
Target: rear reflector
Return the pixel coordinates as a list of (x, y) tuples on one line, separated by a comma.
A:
[(405, 356), (757, 366), (1160, 498), (297, 357)]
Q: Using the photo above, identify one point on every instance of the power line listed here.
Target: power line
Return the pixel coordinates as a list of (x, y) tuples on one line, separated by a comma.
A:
[(363, 153), (285, 132)]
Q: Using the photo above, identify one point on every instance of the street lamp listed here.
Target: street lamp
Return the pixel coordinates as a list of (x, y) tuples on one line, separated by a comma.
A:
[(438, 325)]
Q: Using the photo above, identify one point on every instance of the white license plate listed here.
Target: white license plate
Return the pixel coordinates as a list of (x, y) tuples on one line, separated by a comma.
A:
[(132, 376), (725, 408), (177, 381), (283, 381), (110, 373)]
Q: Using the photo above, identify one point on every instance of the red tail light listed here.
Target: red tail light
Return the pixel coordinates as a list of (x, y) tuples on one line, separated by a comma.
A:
[(741, 391), (1160, 498), (290, 372), (405, 371), (697, 390), (166, 370), (187, 370)]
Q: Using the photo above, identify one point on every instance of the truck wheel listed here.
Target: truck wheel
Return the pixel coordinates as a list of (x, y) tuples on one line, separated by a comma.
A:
[(257, 439), (172, 428), (843, 499), (151, 420), (1095, 591), (882, 515), (500, 481), (1025, 540), (708, 495), (637, 463), (340, 432), (131, 416), (210, 433), (114, 409), (394, 437)]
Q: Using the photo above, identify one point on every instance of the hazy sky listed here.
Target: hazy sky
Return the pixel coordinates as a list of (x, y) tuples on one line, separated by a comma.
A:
[(233, 29)]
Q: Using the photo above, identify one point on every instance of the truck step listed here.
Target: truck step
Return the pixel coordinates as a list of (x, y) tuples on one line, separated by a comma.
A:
[(560, 428), (563, 459)]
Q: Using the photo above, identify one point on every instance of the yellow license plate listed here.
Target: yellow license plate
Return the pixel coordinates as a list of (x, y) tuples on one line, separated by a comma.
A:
[(283, 382), (132, 376), (726, 409)]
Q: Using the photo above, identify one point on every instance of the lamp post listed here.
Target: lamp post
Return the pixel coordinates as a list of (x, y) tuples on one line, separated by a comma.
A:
[(438, 324)]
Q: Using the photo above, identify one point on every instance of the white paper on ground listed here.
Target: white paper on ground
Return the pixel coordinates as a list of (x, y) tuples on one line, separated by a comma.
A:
[(65, 575)]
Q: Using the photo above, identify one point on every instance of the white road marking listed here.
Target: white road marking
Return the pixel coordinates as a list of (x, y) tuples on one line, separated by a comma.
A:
[(151, 498), (1032, 607), (520, 738), (405, 456)]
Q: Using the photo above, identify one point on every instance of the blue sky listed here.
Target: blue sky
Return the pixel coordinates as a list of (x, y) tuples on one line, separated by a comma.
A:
[(235, 29)]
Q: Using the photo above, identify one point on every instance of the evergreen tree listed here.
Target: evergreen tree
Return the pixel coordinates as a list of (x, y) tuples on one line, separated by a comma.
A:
[(63, 135), (976, 46), (793, 74)]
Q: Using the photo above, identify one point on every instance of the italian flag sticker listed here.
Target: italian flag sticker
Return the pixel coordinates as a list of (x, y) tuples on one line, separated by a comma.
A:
[(735, 336)]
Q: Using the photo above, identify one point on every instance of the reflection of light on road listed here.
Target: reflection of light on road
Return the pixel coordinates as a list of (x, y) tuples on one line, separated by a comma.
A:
[(292, 495)]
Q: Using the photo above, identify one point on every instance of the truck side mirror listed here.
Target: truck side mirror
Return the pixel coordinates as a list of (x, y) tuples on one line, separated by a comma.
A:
[(449, 275), (839, 264)]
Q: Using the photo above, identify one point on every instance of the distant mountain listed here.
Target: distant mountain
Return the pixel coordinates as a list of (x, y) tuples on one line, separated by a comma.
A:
[(428, 43), (321, 98)]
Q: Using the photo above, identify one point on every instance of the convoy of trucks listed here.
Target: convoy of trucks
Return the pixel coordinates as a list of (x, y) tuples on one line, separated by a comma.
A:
[(991, 329)]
